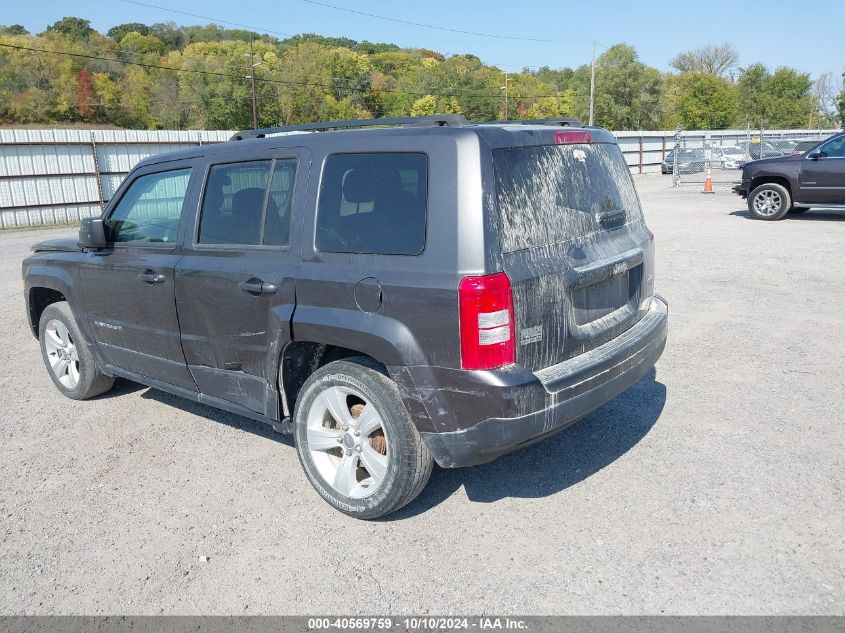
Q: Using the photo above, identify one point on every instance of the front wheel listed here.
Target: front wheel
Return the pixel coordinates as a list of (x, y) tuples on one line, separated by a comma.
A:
[(356, 441), (69, 360), (769, 201)]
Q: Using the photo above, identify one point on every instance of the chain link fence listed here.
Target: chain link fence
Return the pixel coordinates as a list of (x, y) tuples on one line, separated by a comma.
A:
[(722, 153)]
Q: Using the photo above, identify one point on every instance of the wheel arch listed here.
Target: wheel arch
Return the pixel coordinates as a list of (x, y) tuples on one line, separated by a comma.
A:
[(39, 297), (771, 179), (299, 359), (45, 285)]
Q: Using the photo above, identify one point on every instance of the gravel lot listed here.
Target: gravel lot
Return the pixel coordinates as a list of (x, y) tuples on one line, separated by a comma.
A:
[(713, 486)]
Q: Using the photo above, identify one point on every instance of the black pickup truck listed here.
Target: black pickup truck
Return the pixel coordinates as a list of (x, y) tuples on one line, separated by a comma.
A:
[(793, 184)]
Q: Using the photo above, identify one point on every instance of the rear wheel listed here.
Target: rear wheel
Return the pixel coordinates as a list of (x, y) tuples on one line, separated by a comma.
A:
[(769, 201), (356, 441), (69, 360)]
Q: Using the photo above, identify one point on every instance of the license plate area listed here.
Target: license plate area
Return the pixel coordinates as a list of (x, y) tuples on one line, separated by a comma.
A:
[(596, 301), (604, 295)]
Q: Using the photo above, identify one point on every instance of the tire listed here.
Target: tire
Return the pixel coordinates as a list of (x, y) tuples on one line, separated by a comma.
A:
[(799, 209), (366, 465), (769, 201), (68, 356)]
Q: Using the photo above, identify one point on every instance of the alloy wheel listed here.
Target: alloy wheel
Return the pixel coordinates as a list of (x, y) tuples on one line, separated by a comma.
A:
[(346, 441), (767, 203), (61, 353)]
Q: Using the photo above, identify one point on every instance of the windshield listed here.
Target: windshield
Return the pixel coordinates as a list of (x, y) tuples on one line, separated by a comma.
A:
[(552, 193)]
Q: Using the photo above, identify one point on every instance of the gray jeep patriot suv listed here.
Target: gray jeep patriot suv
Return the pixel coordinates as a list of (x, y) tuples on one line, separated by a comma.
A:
[(393, 292)]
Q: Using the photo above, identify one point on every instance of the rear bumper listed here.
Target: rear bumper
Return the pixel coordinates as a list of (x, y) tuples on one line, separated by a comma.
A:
[(509, 409)]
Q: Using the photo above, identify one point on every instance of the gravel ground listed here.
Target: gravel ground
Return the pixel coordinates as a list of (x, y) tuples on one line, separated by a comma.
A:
[(712, 486)]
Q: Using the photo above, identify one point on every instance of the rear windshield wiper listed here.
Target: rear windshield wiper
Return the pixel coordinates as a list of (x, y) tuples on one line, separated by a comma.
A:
[(610, 217)]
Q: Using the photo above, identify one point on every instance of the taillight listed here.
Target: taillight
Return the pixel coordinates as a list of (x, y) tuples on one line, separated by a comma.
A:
[(487, 323)]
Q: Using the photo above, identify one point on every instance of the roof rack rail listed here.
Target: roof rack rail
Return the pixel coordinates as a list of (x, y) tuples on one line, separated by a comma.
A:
[(434, 120), (562, 121)]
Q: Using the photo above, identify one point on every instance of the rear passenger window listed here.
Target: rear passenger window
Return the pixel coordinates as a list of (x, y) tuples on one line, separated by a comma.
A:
[(277, 222), (248, 203), (373, 203)]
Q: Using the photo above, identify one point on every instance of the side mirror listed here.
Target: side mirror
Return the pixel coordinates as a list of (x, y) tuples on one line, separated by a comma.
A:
[(92, 233), (815, 155)]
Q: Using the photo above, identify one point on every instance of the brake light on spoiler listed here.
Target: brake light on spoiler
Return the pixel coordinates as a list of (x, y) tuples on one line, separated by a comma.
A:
[(571, 137)]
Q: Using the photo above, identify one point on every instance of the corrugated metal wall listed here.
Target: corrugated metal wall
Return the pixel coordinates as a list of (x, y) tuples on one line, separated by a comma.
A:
[(60, 176)]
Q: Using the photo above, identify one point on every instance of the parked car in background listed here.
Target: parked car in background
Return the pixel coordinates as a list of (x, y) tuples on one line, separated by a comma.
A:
[(794, 183), (393, 297), (690, 161), (804, 146), (786, 146), (756, 150), (728, 157)]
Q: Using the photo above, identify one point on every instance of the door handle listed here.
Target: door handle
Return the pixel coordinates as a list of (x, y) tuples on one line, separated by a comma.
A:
[(258, 287), (152, 277)]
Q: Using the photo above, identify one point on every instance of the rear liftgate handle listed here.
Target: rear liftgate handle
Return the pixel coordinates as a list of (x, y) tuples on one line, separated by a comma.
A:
[(257, 287)]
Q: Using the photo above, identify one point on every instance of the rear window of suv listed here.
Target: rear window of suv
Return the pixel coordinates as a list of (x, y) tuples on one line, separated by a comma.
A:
[(373, 203), (554, 193)]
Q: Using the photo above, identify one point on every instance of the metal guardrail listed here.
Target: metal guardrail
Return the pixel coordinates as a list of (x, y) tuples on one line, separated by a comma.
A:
[(52, 177)]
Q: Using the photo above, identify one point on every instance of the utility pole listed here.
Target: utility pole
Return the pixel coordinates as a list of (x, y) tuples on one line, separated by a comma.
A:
[(252, 79), (506, 96), (593, 83)]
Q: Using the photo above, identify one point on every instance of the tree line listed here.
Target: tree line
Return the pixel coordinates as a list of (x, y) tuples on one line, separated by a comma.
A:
[(163, 76)]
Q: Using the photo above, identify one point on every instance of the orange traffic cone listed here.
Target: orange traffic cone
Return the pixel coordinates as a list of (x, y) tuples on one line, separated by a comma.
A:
[(708, 181)]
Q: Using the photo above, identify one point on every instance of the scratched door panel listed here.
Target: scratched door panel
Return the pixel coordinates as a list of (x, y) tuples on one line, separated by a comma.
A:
[(235, 300)]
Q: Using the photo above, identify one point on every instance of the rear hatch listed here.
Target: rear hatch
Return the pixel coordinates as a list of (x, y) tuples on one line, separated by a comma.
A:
[(573, 244)]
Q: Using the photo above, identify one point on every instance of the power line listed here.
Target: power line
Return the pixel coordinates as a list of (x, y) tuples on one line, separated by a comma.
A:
[(365, 14), (268, 31), (442, 28), (205, 17), (264, 79)]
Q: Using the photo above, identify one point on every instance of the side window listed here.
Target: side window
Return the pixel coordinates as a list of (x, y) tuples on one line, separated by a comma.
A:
[(233, 204), (373, 203), (834, 148), (236, 198), (277, 222), (150, 209)]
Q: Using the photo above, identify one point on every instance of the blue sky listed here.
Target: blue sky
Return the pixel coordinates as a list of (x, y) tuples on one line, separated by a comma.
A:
[(776, 33)]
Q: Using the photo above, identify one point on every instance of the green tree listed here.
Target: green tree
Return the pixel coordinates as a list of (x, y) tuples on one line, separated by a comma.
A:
[(698, 100), (424, 106), (75, 28), (135, 42), (627, 91), (794, 106), (561, 79), (551, 107), (170, 34), (120, 31), (781, 99), (13, 29)]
